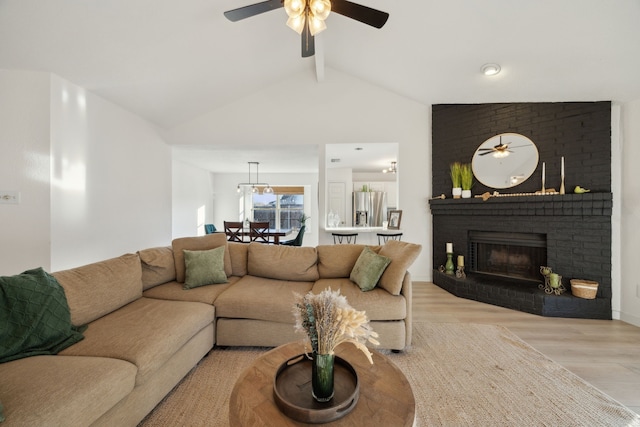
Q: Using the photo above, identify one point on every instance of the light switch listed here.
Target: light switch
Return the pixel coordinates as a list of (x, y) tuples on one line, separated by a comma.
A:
[(9, 197)]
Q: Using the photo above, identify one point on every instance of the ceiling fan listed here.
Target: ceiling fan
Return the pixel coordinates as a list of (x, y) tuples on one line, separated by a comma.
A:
[(307, 16), (500, 150)]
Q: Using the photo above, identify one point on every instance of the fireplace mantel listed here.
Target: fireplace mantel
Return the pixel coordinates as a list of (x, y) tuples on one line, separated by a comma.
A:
[(587, 204)]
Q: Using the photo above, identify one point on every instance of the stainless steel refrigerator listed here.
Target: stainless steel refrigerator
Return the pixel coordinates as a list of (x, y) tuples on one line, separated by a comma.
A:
[(369, 208)]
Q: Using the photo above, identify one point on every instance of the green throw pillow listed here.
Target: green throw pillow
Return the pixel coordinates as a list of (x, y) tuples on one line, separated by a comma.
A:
[(368, 269), (204, 267)]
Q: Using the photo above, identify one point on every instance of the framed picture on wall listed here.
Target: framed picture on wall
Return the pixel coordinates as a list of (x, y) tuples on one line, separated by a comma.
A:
[(394, 220)]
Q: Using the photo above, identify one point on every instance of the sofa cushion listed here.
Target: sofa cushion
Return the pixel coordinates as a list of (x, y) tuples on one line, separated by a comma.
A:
[(200, 243), (158, 266), (204, 267), (377, 303), (147, 333), (402, 255), (239, 256), (368, 269), (296, 263), (261, 299), (100, 288), (338, 260), (63, 390), (175, 291)]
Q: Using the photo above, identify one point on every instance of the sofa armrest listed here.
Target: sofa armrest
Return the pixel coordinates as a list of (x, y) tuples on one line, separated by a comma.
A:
[(407, 292)]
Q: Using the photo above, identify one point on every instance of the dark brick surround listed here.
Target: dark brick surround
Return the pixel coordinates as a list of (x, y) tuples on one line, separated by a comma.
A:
[(578, 227)]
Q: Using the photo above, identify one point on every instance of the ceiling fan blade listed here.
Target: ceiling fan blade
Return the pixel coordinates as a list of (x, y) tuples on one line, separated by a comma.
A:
[(486, 149), (252, 10), (308, 41), (484, 154), (364, 14)]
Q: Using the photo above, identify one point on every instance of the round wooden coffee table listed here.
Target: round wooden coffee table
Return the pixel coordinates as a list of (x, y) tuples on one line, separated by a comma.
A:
[(386, 397)]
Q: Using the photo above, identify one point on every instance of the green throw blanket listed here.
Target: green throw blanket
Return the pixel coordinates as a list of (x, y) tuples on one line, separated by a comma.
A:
[(34, 316)]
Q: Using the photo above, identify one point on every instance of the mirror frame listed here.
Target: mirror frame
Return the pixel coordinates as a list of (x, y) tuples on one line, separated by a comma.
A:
[(508, 171)]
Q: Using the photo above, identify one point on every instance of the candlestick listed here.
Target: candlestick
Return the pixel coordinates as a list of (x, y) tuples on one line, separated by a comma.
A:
[(562, 175), (449, 248), (460, 260), (448, 266), (543, 174)]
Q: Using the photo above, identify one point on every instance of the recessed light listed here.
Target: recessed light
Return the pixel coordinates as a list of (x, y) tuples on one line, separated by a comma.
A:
[(490, 69), (358, 148)]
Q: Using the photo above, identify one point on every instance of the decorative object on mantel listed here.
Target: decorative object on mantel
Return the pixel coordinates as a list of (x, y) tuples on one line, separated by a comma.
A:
[(456, 178), (486, 195), (466, 180), (552, 281), (442, 197), (328, 321), (562, 175), (543, 177), (449, 264), (460, 270), (580, 190), (586, 289)]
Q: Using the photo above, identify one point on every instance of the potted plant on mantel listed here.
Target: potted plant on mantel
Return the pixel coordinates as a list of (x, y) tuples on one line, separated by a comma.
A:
[(456, 177), (466, 180)]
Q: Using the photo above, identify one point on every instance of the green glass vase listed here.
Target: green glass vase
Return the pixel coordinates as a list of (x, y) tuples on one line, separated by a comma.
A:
[(322, 377)]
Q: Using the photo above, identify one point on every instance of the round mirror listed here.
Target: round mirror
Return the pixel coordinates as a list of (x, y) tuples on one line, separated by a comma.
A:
[(505, 160)]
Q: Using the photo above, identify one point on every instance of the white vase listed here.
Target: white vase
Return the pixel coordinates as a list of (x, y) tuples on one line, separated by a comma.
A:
[(456, 192), (466, 194)]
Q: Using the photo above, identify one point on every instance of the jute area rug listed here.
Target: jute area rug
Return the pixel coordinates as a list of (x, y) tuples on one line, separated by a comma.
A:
[(461, 375)]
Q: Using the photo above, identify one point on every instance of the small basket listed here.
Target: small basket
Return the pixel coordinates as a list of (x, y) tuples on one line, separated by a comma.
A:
[(586, 289)]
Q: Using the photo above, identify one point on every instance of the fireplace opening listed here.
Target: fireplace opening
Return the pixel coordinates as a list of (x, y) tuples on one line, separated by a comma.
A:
[(506, 254)]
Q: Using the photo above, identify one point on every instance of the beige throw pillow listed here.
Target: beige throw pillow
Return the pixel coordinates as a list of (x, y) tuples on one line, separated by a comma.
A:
[(402, 255)]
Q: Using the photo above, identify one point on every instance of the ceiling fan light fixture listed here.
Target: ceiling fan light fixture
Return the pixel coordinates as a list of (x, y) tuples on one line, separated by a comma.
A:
[(320, 8), (294, 8), (296, 23), (490, 69), (316, 25)]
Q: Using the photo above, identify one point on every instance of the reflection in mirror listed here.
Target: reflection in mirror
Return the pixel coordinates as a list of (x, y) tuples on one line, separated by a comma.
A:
[(505, 160), (356, 167)]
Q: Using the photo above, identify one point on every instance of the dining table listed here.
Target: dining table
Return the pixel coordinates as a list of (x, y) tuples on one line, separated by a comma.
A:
[(276, 233)]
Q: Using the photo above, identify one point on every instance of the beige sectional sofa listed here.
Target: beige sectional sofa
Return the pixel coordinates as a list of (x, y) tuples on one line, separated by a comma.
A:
[(145, 332)]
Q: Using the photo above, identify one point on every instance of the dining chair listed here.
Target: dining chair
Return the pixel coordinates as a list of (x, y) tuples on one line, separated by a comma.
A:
[(298, 239), (383, 237), (233, 230), (344, 237), (259, 232), (209, 228)]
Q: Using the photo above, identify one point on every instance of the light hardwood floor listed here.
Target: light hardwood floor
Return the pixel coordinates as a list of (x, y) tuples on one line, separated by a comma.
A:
[(606, 353)]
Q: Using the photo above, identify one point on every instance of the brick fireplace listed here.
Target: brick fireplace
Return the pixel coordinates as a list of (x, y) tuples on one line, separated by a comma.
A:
[(572, 232)]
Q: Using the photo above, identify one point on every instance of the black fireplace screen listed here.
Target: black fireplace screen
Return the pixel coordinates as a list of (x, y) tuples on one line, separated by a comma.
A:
[(515, 255)]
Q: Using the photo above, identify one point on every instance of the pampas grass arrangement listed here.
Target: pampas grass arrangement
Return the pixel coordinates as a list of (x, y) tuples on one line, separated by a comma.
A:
[(328, 320)]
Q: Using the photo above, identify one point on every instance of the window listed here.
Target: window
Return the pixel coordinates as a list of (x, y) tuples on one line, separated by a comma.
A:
[(283, 208)]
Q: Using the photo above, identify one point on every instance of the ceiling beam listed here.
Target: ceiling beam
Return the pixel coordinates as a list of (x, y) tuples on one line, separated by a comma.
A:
[(319, 57)]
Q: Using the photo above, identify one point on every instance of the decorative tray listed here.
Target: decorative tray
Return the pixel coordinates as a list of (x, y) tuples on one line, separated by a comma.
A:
[(292, 391)]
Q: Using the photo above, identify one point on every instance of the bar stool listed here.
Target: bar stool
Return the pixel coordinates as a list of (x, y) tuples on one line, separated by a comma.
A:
[(339, 237), (383, 237)]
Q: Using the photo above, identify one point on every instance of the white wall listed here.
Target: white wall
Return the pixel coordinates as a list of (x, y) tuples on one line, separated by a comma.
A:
[(192, 200), (24, 167), (95, 180), (630, 248), (342, 109)]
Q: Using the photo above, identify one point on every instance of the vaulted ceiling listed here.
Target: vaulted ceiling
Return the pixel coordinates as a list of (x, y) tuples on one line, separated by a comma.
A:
[(169, 61)]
